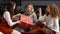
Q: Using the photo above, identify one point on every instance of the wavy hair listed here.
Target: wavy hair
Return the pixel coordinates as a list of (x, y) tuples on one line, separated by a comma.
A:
[(54, 11)]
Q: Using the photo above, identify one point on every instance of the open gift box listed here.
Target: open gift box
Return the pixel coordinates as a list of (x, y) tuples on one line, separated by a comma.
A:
[(26, 22)]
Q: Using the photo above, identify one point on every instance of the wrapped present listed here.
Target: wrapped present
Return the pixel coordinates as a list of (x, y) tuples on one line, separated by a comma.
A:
[(26, 22)]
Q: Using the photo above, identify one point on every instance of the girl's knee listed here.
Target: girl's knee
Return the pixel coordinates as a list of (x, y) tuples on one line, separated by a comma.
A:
[(16, 32)]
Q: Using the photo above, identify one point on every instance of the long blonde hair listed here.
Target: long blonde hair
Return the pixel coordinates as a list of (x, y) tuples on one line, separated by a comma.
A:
[(54, 11), (31, 7)]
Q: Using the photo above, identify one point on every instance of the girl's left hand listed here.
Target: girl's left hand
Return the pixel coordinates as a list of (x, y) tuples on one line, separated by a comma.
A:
[(18, 21), (16, 15)]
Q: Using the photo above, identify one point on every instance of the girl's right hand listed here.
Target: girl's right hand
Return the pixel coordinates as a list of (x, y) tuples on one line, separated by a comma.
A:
[(18, 21)]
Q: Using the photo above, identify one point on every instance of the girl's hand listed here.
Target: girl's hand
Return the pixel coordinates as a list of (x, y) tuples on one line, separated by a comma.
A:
[(40, 12), (16, 15), (18, 21), (56, 33)]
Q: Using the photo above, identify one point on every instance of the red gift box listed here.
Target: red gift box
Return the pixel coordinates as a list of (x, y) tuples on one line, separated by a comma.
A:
[(26, 22)]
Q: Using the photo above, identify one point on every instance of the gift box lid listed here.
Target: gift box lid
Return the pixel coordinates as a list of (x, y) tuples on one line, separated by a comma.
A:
[(26, 19)]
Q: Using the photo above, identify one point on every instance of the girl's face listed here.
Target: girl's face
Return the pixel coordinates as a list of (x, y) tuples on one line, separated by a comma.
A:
[(14, 6), (48, 9), (29, 8)]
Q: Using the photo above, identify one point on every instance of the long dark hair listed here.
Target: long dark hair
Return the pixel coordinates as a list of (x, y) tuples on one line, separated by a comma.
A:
[(10, 7), (4, 8)]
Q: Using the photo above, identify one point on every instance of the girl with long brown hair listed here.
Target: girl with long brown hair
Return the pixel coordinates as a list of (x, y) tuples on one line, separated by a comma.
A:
[(50, 19), (7, 23)]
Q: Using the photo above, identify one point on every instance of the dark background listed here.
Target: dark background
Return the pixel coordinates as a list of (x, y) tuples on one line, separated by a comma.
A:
[(37, 3)]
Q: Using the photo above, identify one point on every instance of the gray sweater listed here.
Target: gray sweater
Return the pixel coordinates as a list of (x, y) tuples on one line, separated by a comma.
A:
[(33, 15)]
